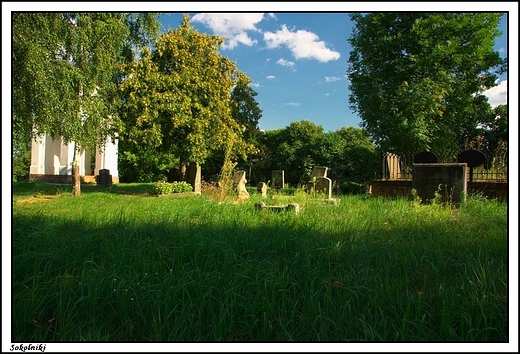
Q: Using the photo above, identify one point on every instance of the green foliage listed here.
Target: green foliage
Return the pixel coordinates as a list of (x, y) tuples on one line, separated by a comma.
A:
[(417, 78), (177, 98), (65, 75), (164, 188), (297, 148), (350, 187)]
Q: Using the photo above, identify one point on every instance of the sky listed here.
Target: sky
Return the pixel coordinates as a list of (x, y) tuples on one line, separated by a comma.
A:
[(298, 62), (297, 55)]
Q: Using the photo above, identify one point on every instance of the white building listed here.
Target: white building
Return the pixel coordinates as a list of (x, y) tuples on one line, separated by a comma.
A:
[(51, 160)]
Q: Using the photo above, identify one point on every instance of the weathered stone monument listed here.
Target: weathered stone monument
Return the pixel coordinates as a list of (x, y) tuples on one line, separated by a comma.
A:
[(193, 177), (425, 157), (317, 172), (291, 207), (447, 180), (472, 158), (323, 185), (239, 181), (262, 189), (104, 178), (278, 179)]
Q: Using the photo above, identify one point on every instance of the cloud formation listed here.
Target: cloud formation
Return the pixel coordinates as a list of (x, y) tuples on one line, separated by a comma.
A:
[(497, 95), (270, 77), (284, 62), (231, 26), (332, 78), (302, 44), (296, 104)]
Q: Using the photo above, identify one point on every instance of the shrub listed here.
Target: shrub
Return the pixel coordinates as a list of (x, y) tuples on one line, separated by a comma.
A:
[(350, 187), (163, 187)]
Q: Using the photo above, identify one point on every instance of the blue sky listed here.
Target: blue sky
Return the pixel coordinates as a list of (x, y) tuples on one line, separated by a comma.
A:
[(297, 62)]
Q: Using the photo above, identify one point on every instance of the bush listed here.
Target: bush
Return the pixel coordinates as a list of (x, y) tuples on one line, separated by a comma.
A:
[(163, 187), (350, 187)]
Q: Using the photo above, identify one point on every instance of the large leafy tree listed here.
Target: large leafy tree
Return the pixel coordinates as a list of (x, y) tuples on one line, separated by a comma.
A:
[(177, 98), (65, 76), (417, 78)]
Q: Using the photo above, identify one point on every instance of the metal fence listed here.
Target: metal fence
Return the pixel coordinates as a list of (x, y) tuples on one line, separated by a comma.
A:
[(400, 166)]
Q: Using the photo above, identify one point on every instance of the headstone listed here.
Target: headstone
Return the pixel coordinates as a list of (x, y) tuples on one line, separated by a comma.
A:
[(193, 177), (277, 179), (425, 157), (104, 178), (317, 172), (472, 158), (446, 179), (324, 185), (262, 189), (239, 180)]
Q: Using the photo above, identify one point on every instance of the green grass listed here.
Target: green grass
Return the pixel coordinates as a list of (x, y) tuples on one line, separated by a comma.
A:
[(118, 264)]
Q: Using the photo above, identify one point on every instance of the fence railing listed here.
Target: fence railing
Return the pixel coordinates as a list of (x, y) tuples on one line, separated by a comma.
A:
[(400, 166)]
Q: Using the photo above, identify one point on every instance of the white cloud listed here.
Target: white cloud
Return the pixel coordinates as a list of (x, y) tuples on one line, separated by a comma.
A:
[(293, 104), (284, 62), (231, 26), (332, 78), (254, 84), (302, 44), (497, 95), (270, 77)]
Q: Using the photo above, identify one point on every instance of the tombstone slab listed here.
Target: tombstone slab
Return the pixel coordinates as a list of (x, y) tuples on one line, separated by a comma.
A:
[(193, 177), (278, 179)]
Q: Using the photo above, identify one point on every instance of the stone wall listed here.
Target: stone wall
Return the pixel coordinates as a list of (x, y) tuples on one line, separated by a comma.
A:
[(395, 188)]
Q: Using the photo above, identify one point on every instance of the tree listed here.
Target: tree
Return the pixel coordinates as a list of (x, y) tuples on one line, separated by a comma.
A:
[(65, 76), (177, 98), (247, 113), (244, 108), (415, 78)]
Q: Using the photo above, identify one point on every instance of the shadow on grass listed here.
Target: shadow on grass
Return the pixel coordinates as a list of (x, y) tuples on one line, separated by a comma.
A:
[(291, 271)]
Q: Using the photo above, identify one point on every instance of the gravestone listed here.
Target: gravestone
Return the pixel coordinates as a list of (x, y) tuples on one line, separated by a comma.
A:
[(425, 157), (472, 158), (324, 185), (262, 189), (278, 179), (104, 178), (447, 179), (317, 172), (193, 177), (239, 181)]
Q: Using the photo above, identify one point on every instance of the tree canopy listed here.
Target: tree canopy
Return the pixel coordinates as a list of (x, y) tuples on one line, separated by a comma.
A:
[(177, 97), (417, 79), (65, 69)]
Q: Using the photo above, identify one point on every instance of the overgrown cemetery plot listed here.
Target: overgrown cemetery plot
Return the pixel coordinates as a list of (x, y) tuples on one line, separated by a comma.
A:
[(118, 264)]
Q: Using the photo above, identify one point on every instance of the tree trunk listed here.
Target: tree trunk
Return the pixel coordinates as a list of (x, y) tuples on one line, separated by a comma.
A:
[(76, 181)]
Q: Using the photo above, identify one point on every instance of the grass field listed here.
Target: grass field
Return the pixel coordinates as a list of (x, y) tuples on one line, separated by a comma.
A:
[(119, 264)]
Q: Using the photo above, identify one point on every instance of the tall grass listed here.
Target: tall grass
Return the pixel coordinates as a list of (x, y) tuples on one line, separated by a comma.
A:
[(112, 266)]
